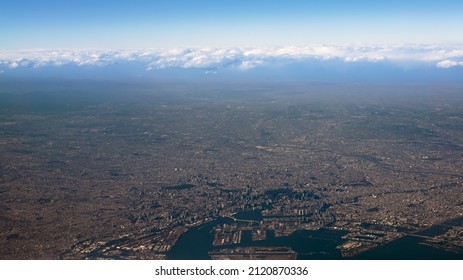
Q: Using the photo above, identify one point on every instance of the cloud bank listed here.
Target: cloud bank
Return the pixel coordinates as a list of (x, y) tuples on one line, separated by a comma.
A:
[(214, 59)]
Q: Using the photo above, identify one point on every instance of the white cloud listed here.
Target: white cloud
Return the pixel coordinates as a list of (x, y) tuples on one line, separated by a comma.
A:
[(239, 58), (250, 64), (448, 63), (13, 65)]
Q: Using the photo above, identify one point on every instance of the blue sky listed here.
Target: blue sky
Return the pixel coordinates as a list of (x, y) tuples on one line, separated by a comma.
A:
[(166, 24)]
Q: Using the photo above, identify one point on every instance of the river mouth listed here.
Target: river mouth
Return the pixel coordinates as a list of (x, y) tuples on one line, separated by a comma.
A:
[(198, 243), (417, 247)]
